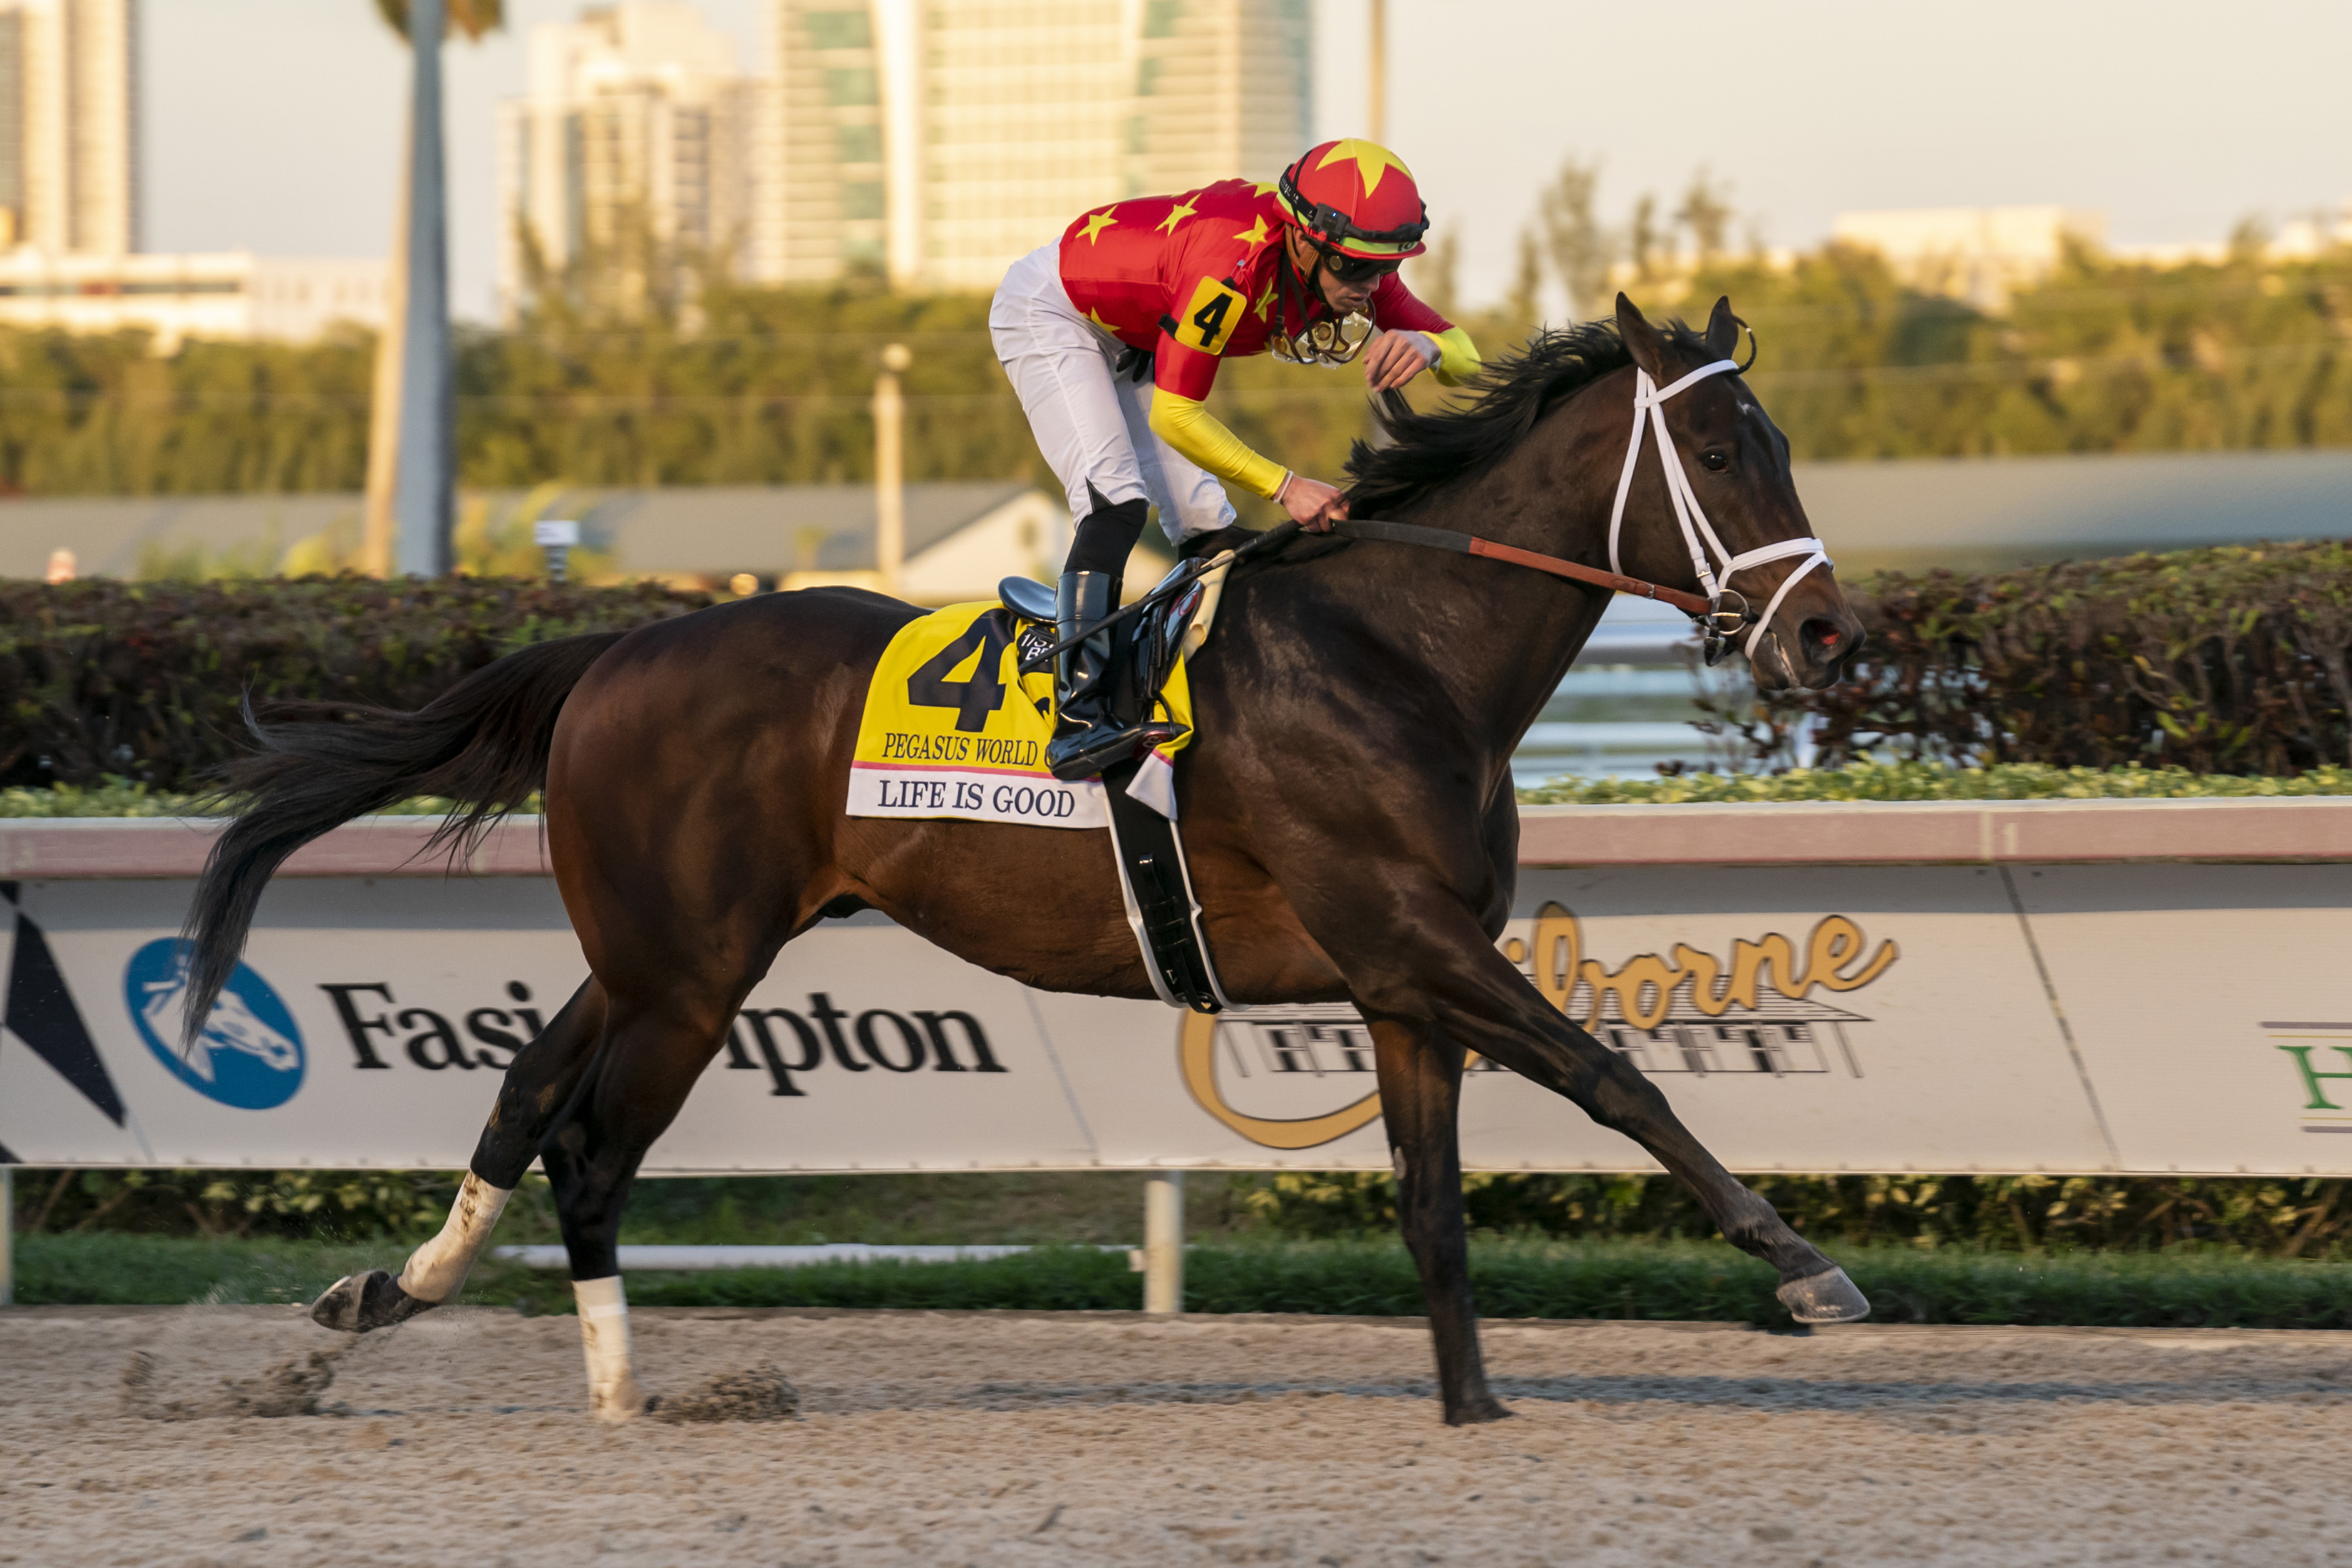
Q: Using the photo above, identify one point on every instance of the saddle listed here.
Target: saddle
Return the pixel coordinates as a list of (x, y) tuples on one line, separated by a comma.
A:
[(1172, 629)]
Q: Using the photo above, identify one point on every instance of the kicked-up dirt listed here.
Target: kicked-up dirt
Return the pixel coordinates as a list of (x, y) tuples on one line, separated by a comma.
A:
[(245, 1435)]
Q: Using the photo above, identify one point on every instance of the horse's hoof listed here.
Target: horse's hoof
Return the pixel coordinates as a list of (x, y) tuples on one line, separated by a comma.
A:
[(1478, 1411), (359, 1302), (614, 1403), (1828, 1297)]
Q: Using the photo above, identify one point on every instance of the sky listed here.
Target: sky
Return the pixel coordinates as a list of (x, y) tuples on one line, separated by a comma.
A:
[(275, 125)]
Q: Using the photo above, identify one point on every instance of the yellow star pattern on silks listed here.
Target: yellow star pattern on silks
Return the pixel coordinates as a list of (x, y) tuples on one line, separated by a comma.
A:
[(1098, 222), (1256, 232), (1260, 304), (1264, 190), (1095, 316), (1372, 161), (1177, 215)]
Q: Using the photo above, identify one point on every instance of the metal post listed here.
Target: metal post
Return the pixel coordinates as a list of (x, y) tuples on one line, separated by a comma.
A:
[(890, 469), (1163, 1244), (1377, 78), (378, 528), (7, 1235), (424, 472), (555, 536)]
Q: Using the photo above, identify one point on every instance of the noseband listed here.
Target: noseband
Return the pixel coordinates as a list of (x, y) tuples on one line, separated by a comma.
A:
[(1720, 624)]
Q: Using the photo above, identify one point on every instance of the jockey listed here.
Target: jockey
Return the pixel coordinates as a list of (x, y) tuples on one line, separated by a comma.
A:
[(1112, 338)]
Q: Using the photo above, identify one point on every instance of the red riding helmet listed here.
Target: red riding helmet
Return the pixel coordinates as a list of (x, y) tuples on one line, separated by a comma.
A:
[(1357, 198)]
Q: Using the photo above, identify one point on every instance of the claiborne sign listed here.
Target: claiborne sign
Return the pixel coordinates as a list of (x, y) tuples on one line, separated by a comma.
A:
[(1688, 1012)]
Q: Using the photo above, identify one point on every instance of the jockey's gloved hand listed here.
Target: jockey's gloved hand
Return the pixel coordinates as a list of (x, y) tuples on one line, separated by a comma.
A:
[(1396, 357), (1312, 504)]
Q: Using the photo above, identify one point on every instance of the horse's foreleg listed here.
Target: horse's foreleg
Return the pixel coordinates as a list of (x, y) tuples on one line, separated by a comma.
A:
[(538, 1082), (1478, 998), (1421, 1091)]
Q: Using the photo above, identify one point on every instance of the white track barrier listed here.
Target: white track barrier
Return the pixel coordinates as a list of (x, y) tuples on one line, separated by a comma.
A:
[(2061, 986)]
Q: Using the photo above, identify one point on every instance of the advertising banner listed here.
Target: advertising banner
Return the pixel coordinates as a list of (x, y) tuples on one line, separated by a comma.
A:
[(1866, 1018)]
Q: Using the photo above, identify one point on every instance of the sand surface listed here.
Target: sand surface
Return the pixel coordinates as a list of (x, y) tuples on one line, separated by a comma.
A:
[(988, 1439)]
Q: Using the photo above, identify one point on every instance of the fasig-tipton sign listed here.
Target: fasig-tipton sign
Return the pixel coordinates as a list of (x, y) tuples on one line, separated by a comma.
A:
[(2101, 1018)]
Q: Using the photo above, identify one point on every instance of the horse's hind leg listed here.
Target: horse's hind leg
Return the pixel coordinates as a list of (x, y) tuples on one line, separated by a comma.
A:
[(654, 1051), (538, 1083), (1421, 1095)]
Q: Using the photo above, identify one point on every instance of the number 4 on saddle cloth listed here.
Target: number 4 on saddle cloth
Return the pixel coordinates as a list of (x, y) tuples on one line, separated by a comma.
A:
[(952, 728)]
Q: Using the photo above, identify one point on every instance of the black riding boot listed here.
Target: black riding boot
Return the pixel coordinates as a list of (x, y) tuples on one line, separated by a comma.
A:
[(1089, 736)]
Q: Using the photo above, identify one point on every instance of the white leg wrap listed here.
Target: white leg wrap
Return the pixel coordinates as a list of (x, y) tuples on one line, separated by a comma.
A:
[(436, 1269), (613, 1391)]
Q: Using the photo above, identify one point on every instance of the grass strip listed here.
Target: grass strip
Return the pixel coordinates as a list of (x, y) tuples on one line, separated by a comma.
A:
[(1869, 780), (1617, 1280)]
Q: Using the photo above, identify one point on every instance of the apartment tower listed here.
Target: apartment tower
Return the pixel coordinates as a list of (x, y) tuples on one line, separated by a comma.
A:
[(940, 139), (69, 143), (629, 155)]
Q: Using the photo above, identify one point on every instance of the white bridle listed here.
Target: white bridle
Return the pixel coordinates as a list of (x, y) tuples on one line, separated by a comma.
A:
[(1648, 399)]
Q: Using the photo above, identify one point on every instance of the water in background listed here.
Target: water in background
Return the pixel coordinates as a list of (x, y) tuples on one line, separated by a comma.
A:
[(1626, 706)]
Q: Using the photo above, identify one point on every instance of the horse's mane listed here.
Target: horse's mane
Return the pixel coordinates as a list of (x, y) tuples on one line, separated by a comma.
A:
[(1507, 397)]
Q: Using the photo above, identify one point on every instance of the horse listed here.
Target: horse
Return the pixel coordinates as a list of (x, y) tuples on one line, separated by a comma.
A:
[(1349, 811)]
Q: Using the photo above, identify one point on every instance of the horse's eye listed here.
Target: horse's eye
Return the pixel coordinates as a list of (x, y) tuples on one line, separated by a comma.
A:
[(1716, 461)]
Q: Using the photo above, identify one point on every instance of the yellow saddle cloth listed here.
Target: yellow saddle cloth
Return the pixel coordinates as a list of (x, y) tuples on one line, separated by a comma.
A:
[(952, 728)]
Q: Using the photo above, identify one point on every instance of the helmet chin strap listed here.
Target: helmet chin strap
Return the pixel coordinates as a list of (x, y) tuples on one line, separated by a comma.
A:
[(1698, 536)]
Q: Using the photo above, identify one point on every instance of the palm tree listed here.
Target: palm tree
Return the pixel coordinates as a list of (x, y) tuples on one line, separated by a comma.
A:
[(412, 430)]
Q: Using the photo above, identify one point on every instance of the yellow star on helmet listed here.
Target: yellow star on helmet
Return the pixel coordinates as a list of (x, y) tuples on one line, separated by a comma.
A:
[(1098, 222), (1372, 161), (1177, 215), (1256, 232)]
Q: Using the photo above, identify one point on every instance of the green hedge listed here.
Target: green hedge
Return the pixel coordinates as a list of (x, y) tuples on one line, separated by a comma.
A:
[(2228, 660), (141, 681)]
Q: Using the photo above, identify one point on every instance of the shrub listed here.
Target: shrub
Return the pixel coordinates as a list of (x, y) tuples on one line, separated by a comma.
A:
[(142, 680), (2226, 660), (2281, 1216)]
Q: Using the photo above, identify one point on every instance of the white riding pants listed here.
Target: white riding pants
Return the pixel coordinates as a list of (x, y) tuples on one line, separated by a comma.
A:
[(1093, 425)]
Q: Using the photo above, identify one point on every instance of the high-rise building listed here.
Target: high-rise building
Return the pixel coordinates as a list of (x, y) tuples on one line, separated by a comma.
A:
[(943, 139), (1221, 88), (630, 151), (821, 182), (68, 142)]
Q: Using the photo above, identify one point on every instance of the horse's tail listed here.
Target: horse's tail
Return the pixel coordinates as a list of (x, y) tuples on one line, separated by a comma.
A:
[(482, 743)]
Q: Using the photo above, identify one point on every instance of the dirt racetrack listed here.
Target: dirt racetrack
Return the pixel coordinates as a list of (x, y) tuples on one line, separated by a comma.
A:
[(987, 1438)]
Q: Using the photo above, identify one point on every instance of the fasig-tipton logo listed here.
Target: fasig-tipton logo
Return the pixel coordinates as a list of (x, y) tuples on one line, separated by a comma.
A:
[(250, 1053)]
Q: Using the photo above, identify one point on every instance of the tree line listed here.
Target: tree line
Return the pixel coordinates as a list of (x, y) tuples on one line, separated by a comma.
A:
[(757, 386)]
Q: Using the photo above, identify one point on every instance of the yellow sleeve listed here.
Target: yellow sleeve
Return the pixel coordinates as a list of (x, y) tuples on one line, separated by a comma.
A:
[(1457, 357), (1199, 435)]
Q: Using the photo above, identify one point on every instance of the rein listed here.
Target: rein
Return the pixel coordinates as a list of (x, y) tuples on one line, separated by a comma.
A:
[(1691, 604), (1446, 539)]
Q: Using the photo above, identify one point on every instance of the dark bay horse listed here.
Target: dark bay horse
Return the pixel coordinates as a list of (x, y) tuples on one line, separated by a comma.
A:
[(1350, 814)]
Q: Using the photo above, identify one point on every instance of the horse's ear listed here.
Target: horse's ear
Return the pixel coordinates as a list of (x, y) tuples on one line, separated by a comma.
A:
[(1641, 338), (1722, 330)]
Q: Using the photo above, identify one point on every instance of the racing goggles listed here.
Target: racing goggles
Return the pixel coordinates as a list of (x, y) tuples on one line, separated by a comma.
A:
[(1356, 268)]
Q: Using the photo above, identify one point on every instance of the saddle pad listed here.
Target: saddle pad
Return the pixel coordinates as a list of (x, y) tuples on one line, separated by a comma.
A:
[(952, 728)]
